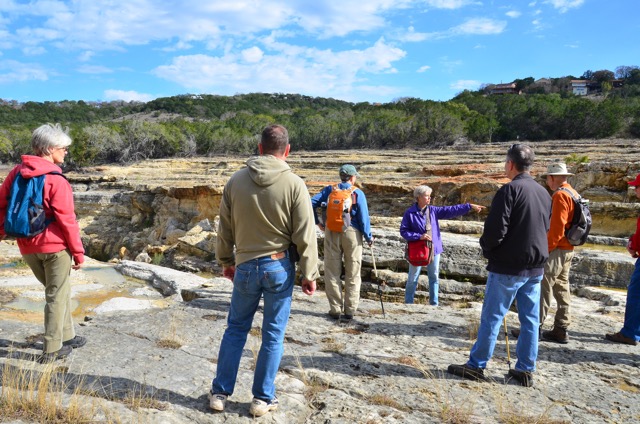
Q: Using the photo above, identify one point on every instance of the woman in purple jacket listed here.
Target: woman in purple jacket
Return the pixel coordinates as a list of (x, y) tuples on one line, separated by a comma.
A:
[(414, 227)]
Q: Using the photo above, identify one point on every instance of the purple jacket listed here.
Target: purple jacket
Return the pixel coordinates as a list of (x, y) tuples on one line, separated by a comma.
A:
[(414, 224)]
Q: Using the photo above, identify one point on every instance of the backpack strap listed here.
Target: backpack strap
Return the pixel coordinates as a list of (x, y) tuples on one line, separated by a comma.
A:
[(570, 193)]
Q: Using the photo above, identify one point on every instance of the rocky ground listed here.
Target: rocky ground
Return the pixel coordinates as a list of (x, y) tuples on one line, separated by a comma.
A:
[(379, 369)]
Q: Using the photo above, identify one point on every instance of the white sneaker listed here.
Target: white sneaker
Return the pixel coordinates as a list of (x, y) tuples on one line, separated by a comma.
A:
[(260, 407), (217, 401)]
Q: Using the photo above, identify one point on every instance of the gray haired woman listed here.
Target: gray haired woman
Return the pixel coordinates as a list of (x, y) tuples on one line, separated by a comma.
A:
[(414, 226)]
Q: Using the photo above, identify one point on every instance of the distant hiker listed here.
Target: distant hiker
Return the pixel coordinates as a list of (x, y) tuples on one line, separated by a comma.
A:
[(514, 241), (49, 254), (630, 333), (420, 222), (264, 210), (343, 239)]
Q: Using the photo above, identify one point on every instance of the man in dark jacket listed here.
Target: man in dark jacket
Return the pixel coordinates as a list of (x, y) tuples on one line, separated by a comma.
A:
[(515, 243)]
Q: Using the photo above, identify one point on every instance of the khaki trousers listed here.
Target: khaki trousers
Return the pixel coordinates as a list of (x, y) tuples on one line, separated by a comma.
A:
[(52, 270), (556, 281), (336, 245)]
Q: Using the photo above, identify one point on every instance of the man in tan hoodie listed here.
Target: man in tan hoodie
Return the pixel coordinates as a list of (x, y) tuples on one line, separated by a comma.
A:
[(265, 210)]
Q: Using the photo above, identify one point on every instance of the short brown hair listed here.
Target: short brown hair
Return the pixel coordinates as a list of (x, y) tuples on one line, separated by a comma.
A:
[(275, 139)]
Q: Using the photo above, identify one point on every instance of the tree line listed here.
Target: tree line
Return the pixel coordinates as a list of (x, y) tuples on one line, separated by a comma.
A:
[(188, 125)]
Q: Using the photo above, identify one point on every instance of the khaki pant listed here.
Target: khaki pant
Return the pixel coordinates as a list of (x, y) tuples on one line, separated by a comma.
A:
[(336, 245), (52, 270), (556, 281)]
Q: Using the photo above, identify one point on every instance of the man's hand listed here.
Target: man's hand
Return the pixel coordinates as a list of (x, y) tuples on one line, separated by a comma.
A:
[(370, 242), (631, 251), (321, 227), (229, 272), (308, 286), (425, 236)]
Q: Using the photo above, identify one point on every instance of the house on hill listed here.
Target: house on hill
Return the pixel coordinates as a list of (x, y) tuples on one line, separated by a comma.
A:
[(580, 87), (509, 88)]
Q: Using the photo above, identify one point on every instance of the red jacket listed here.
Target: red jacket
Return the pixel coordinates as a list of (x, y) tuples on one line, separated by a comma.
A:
[(634, 240), (64, 232)]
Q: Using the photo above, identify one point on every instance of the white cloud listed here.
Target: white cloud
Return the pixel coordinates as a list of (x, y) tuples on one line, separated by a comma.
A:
[(449, 4), (412, 36), (284, 68), (86, 56), (480, 26), (564, 5), (465, 85), (513, 14), (127, 96), (94, 69), (423, 68), (12, 71), (252, 55)]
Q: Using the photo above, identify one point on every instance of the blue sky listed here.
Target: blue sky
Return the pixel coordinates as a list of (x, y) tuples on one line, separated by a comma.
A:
[(354, 50)]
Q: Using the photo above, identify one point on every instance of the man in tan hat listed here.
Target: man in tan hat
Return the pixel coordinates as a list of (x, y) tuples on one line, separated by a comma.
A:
[(556, 270)]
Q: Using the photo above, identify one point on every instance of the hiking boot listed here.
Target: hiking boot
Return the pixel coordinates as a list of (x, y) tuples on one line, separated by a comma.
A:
[(346, 318), (467, 371), (620, 338), (334, 316), (524, 377), (557, 335), (217, 401), (46, 358), (76, 342), (259, 407)]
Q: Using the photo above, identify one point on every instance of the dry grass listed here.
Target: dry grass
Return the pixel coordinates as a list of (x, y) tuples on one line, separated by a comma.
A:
[(330, 345), (256, 332), (168, 344), (385, 400), (171, 338), (38, 395), (472, 328)]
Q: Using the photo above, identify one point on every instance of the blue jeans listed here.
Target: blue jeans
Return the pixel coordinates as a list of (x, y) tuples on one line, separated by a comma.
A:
[(500, 292), (412, 281), (273, 280), (631, 326)]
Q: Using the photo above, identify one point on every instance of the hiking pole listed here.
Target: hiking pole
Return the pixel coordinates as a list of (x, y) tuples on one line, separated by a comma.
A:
[(506, 339), (375, 273)]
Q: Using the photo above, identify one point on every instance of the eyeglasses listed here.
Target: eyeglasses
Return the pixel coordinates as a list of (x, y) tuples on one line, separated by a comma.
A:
[(66, 149)]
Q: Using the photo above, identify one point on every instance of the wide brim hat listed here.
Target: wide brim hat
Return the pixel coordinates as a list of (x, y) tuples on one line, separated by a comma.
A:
[(557, 168), (636, 182)]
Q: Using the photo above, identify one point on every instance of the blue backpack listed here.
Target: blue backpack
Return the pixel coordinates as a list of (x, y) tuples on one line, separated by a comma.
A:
[(25, 212)]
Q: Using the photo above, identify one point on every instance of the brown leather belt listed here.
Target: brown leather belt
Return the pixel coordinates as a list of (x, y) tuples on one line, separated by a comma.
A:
[(279, 255)]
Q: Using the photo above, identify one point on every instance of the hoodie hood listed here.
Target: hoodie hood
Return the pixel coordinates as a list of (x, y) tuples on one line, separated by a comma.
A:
[(34, 166), (265, 170)]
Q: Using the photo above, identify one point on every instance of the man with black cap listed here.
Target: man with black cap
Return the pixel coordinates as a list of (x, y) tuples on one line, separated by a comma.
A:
[(630, 333), (347, 241)]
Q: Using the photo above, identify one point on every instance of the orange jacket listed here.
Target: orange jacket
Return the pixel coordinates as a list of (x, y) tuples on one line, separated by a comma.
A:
[(561, 216)]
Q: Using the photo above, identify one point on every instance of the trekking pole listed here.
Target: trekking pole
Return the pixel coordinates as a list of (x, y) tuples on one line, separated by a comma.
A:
[(375, 273), (506, 339)]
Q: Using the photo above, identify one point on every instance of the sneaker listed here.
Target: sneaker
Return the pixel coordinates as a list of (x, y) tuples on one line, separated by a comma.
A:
[(217, 401), (620, 338), (557, 335), (46, 358), (260, 407), (467, 371), (76, 342), (524, 377)]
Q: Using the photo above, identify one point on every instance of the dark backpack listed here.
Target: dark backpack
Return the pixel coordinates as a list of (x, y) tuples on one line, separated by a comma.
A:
[(25, 212), (578, 232)]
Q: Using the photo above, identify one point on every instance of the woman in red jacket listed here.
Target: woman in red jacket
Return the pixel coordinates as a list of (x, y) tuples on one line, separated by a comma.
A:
[(50, 253)]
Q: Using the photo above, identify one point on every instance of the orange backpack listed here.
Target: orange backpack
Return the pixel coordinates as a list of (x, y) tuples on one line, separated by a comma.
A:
[(339, 206)]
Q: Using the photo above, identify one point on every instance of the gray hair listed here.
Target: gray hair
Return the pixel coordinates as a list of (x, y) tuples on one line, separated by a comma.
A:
[(48, 137), (420, 190), (522, 156)]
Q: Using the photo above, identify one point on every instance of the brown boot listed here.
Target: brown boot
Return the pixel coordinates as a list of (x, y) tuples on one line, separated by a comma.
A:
[(557, 335)]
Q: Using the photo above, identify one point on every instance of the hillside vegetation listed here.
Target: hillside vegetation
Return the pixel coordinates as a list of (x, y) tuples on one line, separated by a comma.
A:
[(188, 125)]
